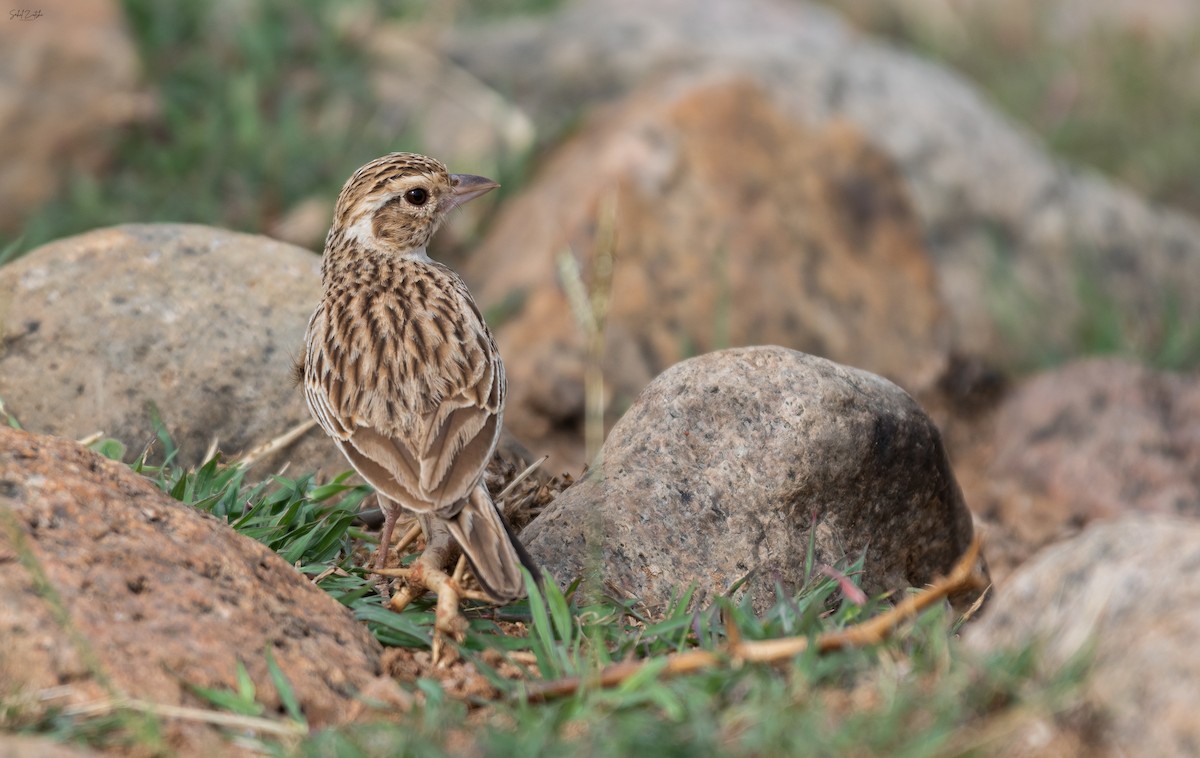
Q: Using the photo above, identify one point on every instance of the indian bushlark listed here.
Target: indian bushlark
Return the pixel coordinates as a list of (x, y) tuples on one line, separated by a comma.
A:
[(401, 370)]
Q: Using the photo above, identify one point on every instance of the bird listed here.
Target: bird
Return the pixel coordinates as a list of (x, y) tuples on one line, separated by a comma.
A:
[(401, 370)]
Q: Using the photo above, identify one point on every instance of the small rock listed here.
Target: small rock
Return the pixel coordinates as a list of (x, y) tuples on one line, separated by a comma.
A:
[(157, 595), (1123, 594), (202, 322), (69, 79), (1094, 439), (733, 225), (727, 462)]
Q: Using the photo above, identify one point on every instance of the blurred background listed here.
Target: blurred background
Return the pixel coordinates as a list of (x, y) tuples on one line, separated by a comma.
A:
[(973, 198), (248, 114), (1020, 180), (245, 115)]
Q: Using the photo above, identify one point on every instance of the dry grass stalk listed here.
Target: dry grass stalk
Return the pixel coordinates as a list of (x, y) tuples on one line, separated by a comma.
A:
[(870, 632)]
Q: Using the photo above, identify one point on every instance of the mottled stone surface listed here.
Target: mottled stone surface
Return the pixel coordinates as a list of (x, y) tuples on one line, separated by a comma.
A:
[(1126, 594), (201, 322), (69, 79), (1011, 229), (156, 595), (1093, 439), (733, 224), (726, 463)]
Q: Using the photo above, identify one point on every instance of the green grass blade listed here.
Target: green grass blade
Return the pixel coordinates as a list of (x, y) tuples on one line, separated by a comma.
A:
[(287, 695)]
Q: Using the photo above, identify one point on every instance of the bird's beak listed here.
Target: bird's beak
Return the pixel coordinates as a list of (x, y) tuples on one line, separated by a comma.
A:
[(467, 187)]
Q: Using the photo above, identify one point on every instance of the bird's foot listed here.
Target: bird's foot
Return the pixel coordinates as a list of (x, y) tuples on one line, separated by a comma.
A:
[(427, 574)]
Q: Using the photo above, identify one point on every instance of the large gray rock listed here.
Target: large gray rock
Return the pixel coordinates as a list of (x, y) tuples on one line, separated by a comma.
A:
[(1123, 595), (108, 583), (202, 322), (1012, 230), (726, 464)]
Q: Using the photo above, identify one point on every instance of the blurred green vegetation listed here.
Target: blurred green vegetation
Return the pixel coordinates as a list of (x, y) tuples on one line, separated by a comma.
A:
[(262, 104)]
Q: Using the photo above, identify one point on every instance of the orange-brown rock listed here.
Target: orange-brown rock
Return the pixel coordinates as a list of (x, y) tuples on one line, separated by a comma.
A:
[(108, 586), (734, 225)]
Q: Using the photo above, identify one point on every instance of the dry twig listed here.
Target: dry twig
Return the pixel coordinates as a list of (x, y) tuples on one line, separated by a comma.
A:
[(519, 478), (869, 632), (280, 442), (91, 439)]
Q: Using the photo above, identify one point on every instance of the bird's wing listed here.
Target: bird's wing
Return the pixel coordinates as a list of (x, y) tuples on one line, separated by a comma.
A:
[(415, 401), (459, 437)]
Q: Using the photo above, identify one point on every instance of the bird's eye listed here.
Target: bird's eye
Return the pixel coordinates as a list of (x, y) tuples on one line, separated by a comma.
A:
[(417, 195)]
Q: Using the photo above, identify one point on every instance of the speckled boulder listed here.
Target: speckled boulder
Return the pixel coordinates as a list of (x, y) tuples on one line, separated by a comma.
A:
[(151, 595), (202, 322), (727, 462), (1122, 596)]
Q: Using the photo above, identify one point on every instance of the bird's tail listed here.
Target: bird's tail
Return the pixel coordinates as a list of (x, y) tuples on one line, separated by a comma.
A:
[(494, 552)]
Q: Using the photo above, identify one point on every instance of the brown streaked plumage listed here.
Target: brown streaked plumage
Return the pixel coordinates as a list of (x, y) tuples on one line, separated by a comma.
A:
[(400, 368)]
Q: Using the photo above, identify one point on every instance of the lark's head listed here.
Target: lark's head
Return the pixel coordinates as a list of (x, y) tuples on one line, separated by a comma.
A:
[(394, 204)]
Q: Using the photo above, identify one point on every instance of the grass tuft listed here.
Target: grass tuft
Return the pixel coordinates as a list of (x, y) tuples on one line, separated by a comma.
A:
[(912, 692)]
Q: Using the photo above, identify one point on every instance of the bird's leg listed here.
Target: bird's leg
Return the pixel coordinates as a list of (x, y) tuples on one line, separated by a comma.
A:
[(391, 518), (411, 590), (390, 513), (428, 572)]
